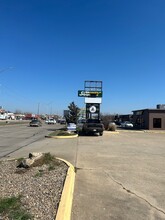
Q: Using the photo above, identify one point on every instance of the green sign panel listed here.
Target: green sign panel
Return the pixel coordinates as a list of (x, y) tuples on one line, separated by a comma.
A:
[(92, 94)]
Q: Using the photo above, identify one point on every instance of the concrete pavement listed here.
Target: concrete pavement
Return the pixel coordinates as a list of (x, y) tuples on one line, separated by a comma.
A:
[(118, 176)]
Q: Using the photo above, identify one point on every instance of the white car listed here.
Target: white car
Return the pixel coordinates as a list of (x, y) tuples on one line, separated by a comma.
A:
[(126, 124), (50, 121), (71, 127)]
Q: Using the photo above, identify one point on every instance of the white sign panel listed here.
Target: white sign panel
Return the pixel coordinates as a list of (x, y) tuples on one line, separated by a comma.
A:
[(93, 100)]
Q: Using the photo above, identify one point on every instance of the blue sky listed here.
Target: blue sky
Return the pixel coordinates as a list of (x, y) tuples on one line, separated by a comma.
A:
[(48, 48)]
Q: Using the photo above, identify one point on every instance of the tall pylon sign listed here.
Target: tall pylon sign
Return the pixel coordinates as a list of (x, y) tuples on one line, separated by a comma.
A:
[(93, 98)]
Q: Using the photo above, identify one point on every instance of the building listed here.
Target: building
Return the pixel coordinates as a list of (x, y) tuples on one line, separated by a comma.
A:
[(31, 116), (123, 118), (151, 119)]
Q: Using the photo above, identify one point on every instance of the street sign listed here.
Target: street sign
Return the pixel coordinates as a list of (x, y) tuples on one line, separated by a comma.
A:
[(83, 93)]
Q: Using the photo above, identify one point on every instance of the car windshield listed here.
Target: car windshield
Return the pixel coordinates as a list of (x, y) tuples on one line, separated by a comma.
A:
[(81, 121), (34, 120), (72, 124), (93, 121)]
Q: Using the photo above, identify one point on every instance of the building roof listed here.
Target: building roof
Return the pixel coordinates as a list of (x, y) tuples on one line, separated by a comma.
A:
[(149, 109)]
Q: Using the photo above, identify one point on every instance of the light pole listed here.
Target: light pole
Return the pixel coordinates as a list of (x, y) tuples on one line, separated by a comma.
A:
[(38, 112)]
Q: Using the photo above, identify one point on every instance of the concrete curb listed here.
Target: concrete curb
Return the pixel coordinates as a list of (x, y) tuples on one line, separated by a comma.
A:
[(62, 137), (144, 131), (65, 205), (111, 132)]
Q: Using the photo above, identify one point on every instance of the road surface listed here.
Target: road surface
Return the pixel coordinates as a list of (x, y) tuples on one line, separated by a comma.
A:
[(16, 136)]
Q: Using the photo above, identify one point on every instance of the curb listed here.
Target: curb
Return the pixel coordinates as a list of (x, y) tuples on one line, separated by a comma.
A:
[(65, 205), (62, 137), (145, 131), (111, 132)]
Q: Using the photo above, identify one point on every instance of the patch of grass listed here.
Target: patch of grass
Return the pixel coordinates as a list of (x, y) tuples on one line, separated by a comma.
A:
[(11, 207), (55, 133), (39, 173), (60, 133), (20, 159), (49, 160), (51, 167)]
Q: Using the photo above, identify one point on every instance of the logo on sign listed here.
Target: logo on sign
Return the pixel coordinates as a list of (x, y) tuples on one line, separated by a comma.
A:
[(92, 109)]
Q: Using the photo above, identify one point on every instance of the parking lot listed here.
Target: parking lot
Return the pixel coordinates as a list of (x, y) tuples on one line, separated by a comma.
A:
[(118, 176)]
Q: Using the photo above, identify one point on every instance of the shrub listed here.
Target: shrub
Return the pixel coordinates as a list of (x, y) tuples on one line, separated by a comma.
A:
[(111, 127), (106, 119)]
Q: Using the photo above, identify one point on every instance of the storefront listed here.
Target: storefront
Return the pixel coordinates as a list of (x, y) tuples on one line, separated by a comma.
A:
[(151, 119)]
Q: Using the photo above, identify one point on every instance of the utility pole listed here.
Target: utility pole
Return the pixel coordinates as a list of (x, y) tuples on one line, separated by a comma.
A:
[(38, 112)]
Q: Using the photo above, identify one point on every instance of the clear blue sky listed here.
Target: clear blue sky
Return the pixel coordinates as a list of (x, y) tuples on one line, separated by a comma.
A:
[(48, 48)]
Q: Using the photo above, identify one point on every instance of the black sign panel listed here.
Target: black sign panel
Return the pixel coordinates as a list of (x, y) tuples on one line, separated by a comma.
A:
[(92, 108)]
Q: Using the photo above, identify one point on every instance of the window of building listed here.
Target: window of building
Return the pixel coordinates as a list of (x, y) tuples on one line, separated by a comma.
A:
[(141, 112), (157, 122)]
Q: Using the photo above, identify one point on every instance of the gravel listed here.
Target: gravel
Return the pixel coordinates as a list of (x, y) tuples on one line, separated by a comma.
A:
[(39, 187)]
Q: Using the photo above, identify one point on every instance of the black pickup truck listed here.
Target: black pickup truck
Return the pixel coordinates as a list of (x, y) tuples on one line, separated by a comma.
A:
[(90, 126)]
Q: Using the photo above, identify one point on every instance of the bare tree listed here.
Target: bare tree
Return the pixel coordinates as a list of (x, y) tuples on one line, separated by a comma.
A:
[(106, 119)]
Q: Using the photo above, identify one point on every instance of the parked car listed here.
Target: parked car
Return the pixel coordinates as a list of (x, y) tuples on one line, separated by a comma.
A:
[(62, 121), (71, 127), (90, 126), (35, 123), (126, 124), (50, 121)]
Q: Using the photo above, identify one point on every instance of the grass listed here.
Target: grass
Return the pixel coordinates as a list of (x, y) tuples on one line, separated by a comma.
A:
[(20, 159), (60, 133), (39, 173), (51, 161), (12, 208), (47, 159)]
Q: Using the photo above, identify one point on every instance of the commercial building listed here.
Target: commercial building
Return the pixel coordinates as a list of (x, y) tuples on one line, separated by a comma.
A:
[(151, 119)]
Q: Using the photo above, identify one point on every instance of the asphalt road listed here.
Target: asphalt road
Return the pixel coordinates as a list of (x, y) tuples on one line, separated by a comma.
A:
[(118, 176), (15, 136)]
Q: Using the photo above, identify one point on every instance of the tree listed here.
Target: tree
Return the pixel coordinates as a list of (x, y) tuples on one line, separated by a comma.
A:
[(72, 115)]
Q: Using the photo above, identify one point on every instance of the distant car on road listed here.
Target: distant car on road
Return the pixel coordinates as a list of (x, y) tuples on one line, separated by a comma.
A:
[(126, 124), (35, 123), (62, 121), (50, 121)]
